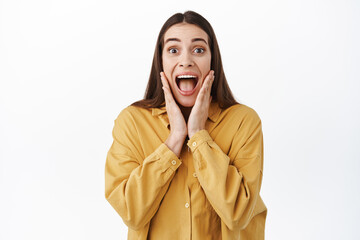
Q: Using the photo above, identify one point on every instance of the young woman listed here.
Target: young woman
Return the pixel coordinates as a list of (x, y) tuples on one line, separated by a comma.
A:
[(186, 161)]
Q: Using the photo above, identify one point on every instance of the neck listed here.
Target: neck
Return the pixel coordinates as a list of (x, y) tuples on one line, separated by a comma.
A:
[(186, 112)]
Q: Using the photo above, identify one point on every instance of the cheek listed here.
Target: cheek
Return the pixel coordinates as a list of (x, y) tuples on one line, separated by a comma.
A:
[(206, 64), (209, 63), (205, 69), (166, 66)]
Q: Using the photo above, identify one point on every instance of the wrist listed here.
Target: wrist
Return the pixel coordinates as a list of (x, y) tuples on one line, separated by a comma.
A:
[(192, 132), (177, 135), (175, 142)]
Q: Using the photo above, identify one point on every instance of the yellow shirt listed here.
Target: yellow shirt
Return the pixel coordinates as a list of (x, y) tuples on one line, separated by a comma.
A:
[(210, 192)]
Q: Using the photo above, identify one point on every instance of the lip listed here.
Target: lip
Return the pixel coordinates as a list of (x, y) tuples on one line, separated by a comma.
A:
[(187, 73), (187, 93)]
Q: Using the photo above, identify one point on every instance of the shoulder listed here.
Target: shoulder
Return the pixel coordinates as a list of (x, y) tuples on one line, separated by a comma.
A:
[(131, 113), (242, 113), (129, 120)]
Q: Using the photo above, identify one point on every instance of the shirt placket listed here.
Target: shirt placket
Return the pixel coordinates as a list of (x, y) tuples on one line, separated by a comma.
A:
[(186, 159), (191, 182)]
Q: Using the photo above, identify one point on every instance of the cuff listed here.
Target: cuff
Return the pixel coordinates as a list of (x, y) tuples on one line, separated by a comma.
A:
[(167, 157), (198, 138)]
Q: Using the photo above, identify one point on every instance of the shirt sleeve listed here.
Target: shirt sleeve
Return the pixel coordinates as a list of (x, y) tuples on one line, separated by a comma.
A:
[(135, 187), (231, 185)]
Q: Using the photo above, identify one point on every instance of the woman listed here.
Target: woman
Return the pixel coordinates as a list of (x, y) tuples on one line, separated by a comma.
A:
[(187, 160)]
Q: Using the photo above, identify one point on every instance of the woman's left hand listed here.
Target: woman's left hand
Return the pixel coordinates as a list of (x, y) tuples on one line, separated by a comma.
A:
[(200, 110)]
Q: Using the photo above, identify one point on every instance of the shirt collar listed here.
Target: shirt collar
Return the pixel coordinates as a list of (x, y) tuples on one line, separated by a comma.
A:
[(214, 111), (158, 111)]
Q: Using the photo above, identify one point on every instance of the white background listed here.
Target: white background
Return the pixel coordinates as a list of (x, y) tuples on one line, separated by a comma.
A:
[(67, 68)]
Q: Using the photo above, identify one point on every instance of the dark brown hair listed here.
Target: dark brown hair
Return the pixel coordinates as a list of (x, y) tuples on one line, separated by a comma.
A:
[(220, 91)]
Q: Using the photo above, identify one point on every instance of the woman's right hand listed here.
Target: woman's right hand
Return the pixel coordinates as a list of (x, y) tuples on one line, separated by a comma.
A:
[(178, 128)]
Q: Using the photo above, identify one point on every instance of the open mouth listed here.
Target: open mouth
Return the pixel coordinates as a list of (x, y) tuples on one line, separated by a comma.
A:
[(186, 83)]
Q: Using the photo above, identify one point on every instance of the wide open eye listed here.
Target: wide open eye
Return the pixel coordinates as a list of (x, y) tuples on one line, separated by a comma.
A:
[(173, 50), (199, 50)]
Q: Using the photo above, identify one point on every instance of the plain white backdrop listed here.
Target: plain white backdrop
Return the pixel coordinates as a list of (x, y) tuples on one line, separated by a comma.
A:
[(67, 69)]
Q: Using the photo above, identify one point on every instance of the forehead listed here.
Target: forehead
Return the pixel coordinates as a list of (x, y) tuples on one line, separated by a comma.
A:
[(185, 31)]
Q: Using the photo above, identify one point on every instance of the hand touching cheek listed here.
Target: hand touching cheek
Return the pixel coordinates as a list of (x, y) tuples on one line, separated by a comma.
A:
[(178, 128), (200, 111)]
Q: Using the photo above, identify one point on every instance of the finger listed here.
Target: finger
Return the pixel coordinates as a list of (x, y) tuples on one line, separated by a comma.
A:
[(202, 94), (209, 79), (168, 94), (209, 83), (166, 84), (165, 87), (206, 87), (212, 79), (164, 80)]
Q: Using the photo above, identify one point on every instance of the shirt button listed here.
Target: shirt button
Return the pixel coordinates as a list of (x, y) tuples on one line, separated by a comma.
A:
[(194, 174), (187, 205), (173, 162), (194, 144)]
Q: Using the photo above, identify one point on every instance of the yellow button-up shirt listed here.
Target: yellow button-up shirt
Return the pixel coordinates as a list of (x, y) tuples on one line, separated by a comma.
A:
[(210, 192)]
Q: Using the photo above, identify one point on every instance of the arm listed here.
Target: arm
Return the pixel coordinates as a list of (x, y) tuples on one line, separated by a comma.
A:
[(133, 186), (232, 187)]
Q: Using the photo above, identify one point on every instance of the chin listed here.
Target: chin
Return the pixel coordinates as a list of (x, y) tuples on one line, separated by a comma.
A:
[(187, 102)]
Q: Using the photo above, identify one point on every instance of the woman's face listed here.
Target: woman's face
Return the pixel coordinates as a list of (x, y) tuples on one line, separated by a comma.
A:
[(186, 61)]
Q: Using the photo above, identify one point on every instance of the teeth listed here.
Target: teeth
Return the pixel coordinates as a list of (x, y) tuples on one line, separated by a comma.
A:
[(186, 76)]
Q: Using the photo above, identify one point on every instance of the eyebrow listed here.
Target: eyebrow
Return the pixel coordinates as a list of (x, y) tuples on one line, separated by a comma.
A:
[(192, 40)]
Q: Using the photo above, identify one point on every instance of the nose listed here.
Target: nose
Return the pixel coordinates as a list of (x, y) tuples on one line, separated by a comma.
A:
[(186, 60)]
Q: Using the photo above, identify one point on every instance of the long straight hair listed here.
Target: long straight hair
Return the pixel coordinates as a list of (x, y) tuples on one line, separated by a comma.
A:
[(220, 91)]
